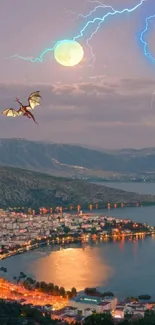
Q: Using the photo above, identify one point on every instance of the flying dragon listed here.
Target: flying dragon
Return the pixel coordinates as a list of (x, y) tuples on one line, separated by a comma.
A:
[(33, 100)]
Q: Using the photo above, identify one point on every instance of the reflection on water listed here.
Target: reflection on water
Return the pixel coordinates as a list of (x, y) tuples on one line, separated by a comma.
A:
[(121, 243), (76, 267), (125, 267), (119, 266)]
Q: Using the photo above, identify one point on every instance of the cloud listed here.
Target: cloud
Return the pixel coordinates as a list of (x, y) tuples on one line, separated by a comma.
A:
[(73, 111)]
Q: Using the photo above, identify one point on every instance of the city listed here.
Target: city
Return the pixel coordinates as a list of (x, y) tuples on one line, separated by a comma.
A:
[(78, 308), (21, 233), (77, 162)]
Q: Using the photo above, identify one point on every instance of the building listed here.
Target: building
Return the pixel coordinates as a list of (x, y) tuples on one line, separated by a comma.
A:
[(97, 303), (72, 311), (119, 312), (87, 312), (113, 302), (103, 306), (83, 302), (139, 312)]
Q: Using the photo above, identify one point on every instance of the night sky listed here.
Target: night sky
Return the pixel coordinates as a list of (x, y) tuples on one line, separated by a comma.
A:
[(105, 105)]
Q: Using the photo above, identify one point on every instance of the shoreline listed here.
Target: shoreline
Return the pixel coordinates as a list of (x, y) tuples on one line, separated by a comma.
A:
[(43, 242), (92, 207)]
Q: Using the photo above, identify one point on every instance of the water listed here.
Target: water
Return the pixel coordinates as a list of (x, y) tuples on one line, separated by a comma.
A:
[(141, 188), (126, 268)]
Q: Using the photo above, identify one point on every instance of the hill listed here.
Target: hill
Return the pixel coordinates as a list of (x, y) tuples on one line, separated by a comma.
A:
[(74, 161), (19, 187)]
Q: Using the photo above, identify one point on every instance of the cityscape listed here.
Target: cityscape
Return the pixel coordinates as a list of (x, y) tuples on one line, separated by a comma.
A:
[(21, 233), (77, 162)]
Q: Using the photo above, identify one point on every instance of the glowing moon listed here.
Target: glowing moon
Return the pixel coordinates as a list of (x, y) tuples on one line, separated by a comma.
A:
[(68, 53)]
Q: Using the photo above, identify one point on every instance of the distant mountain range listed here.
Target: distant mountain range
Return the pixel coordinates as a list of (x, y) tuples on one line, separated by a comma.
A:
[(75, 161), (24, 188)]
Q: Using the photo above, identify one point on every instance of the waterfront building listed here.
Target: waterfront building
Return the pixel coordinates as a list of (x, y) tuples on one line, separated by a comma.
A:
[(83, 302), (97, 303)]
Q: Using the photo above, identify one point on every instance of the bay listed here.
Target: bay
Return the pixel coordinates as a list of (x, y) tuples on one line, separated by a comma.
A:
[(137, 187), (124, 267)]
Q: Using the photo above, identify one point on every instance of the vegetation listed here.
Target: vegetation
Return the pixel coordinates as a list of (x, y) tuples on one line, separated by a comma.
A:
[(131, 299), (13, 314), (99, 319), (144, 297), (3, 269), (48, 288), (106, 319), (94, 292), (23, 188)]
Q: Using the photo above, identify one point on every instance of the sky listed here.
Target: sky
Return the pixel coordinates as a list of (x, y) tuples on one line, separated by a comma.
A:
[(105, 104)]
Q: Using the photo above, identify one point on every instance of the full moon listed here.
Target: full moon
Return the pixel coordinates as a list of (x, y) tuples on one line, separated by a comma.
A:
[(68, 53)]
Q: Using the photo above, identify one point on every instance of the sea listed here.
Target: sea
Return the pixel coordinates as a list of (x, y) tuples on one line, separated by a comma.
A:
[(127, 268)]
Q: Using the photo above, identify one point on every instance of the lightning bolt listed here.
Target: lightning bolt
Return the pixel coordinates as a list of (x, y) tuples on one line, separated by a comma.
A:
[(100, 5), (98, 20), (145, 45), (146, 50)]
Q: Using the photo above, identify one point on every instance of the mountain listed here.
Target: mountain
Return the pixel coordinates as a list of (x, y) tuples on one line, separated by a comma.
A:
[(74, 161), (19, 188)]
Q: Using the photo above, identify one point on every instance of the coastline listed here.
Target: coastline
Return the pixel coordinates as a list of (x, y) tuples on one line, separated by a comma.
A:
[(69, 243), (46, 241), (92, 207)]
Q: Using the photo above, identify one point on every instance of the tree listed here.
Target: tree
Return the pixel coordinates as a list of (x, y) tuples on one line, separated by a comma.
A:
[(125, 322), (144, 297), (37, 285), (22, 275), (73, 292), (30, 280), (3, 269), (51, 287), (43, 286), (27, 285), (129, 299), (56, 290), (69, 294), (108, 294), (62, 292), (66, 229), (18, 280), (90, 291), (99, 319)]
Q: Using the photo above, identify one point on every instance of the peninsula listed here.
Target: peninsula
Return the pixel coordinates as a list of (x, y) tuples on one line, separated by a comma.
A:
[(25, 188)]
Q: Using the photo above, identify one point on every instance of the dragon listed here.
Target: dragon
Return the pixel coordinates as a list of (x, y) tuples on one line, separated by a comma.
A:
[(33, 100)]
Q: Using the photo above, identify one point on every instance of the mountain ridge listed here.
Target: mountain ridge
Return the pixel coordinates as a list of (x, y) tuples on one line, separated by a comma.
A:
[(74, 161), (25, 188)]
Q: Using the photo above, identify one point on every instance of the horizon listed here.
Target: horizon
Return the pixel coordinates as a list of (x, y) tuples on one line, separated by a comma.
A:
[(77, 145)]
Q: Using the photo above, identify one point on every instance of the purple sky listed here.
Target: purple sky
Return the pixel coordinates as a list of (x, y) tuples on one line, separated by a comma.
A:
[(107, 105)]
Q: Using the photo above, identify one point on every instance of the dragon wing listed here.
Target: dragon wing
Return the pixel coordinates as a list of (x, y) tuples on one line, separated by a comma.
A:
[(34, 100), (10, 112)]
